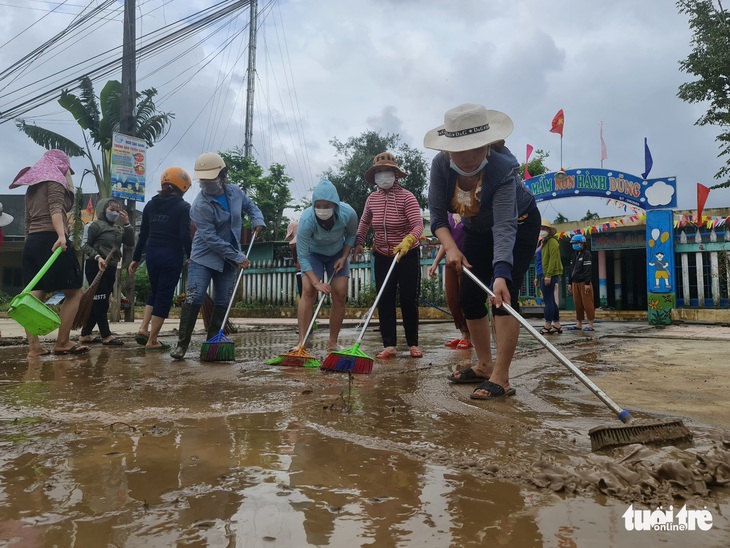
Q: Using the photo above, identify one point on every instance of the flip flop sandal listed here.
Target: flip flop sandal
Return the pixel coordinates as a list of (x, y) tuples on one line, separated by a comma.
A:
[(78, 348), (385, 354), (573, 328), (495, 391), (416, 353), (113, 342), (163, 346), (466, 376), (141, 339), (546, 331), (464, 345), (453, 343), (588, 329), (95, 340)]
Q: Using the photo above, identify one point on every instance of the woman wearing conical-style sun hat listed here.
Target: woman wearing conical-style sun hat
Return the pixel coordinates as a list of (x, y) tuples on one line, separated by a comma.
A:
[(476, 176)]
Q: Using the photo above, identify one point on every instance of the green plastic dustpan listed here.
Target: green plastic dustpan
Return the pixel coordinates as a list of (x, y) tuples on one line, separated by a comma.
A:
[(30, 312)]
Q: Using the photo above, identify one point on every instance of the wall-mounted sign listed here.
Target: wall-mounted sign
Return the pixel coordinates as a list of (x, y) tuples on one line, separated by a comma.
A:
[(128, 167)]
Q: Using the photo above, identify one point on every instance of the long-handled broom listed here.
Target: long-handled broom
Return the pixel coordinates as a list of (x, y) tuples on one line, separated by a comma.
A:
[(87, 299), (299, 357), (220, 348), (602, 437), (354, 360)]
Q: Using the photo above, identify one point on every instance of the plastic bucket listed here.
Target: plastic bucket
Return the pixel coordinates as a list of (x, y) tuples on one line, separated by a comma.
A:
[(33, 315)]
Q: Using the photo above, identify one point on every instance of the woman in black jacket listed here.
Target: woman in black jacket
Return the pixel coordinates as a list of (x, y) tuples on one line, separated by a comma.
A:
[(165, 240)]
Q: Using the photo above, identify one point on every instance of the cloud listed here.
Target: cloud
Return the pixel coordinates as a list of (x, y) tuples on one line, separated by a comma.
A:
[(336, 69)]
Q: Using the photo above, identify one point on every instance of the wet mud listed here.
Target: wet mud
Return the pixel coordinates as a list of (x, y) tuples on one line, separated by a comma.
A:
[(122, 447)]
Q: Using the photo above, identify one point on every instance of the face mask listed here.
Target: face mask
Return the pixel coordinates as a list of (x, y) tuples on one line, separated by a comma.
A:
[(210, 187), (385, 179), (543, 234), (464, 173), (323, 213), (576, 247), (112, 216)]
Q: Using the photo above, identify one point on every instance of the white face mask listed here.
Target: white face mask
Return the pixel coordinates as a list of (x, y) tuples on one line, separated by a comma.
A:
[(210, 187), (464, 173), (384, 179), (112, 216), (543, 234), (323, 213)]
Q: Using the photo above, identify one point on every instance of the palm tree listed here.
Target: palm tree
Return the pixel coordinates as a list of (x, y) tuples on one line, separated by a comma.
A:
[(99, 120)]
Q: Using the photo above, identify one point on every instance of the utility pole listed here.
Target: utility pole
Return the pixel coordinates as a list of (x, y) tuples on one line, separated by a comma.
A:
[(248, 136), (127, 127)]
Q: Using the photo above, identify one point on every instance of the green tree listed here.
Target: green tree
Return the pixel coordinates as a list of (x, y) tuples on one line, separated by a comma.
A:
[(710, 62), (269, 192), (99, 118), (536, 166), (355, 157), (590, 215), (560, 219)]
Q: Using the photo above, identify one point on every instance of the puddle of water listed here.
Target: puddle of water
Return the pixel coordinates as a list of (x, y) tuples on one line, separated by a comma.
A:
[(124, 448)]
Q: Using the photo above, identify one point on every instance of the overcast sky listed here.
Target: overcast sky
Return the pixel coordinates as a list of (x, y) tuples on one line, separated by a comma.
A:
[(335, 68)]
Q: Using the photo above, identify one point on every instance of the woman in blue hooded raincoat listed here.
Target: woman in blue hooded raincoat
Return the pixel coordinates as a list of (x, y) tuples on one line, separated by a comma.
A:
[(325, 237)]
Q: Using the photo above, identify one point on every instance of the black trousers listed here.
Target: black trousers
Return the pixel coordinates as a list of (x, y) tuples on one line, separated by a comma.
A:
[(478, 250), (100, 308), (406, 280)]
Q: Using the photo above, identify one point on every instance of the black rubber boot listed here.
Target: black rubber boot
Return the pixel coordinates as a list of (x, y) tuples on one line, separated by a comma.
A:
[(216, 321), (188, 317)]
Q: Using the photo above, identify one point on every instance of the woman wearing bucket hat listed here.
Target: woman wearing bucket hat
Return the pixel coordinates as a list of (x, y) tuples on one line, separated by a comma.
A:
[(552, 269), (395, 216), (165, 241), (475, 176), (48, 199), (216, 250)]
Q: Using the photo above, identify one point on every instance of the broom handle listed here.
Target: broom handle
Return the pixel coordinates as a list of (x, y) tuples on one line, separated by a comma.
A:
[(235, 287), (99, 274), (43, 269), (377, 299), (314, 319), (622, 414)]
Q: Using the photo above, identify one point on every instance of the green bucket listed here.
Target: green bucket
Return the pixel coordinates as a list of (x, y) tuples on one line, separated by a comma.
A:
[(30, 312)]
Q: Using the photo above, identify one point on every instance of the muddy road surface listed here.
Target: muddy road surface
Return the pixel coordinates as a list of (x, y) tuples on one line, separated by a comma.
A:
[(122, 447)]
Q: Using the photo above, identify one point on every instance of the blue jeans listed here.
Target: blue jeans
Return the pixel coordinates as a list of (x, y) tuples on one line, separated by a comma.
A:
[(552, 312), (199, 278)]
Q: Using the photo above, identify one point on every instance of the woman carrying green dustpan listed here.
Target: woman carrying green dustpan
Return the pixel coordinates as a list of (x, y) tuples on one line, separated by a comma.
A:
[(48, 199)]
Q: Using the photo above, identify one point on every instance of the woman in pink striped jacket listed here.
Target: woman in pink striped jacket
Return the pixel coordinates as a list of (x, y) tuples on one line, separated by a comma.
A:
[(395, 216)]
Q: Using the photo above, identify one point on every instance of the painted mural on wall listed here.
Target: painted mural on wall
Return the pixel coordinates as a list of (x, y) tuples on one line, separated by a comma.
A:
[(660, 266), (606, 183)]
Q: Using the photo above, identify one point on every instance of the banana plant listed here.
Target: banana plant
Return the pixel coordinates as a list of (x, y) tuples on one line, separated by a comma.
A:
[(99, 118)]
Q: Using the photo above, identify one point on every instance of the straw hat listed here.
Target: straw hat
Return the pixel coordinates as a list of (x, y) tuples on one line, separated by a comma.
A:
[(467, 127), (546, 224), (384, 160), (5, 218)]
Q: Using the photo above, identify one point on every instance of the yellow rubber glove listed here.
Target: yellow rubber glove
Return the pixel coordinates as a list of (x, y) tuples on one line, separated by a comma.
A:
[(405, 246)]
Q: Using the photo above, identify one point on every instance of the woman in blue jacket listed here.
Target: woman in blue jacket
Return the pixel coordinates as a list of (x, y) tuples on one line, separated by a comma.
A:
[(216, 251), (325, 237)]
